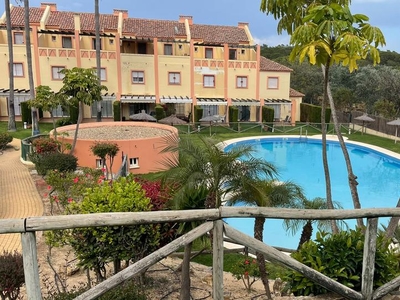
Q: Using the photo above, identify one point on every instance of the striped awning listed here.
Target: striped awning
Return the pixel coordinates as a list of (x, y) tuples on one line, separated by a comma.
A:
[(245, 102), (138, 98), (6, 92), (108, 96), (277, 101), (211, 101), (175, 99)]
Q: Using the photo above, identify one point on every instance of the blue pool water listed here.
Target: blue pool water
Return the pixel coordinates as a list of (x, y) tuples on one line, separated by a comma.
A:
[(300, 161)]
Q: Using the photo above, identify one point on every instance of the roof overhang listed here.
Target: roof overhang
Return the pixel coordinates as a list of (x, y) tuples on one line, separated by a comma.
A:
[(277, 101), (138, 99), (211, 101), (175, 99), (245, 102)]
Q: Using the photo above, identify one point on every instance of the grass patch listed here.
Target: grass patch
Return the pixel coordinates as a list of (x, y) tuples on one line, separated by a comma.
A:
[(22, 133)]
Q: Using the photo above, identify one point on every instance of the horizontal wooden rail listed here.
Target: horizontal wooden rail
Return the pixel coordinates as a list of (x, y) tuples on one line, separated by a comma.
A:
[(133, 218)]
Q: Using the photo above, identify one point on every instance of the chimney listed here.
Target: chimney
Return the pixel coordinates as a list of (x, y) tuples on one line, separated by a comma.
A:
[(183, 18), (123, 11), (243, 24), (53, 6)]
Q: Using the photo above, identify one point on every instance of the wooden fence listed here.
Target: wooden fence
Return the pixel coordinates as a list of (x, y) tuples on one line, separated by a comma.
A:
[(213, 220)]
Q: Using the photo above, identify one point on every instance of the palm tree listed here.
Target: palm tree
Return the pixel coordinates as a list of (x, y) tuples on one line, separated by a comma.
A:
[(265, 193), (98, 58), (307, 225), (11, 110), (325, 32), (203, 162), (35, 121)]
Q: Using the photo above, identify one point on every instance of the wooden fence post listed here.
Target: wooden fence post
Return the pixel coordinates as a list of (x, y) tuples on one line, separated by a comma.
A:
[(368, 266), (31, 270), (218, 260)]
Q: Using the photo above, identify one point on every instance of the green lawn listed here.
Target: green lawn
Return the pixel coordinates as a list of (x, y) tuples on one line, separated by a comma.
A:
[(22, 133)]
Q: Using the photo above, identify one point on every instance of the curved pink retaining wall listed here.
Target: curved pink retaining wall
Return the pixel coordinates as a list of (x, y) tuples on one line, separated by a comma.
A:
[(146, 150)]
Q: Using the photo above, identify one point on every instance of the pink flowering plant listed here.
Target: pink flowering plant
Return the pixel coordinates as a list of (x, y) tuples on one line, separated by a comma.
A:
[(247, 270), (65, 188)]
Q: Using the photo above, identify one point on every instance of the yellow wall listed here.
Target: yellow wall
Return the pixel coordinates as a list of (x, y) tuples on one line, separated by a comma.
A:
[(137, 62), (283, 85), (250, 91), (179, 64)]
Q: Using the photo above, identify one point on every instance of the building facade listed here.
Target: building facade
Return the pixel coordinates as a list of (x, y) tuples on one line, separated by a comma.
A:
[(148, 62)]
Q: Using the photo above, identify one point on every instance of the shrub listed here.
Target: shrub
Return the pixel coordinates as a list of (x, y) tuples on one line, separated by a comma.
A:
[(233, 117), (26, 114), (5, 138), (11, 275), (45, 145), (160, 112), (54, 161), (64, 122), (117, 110), (340, 257), (247, 270)]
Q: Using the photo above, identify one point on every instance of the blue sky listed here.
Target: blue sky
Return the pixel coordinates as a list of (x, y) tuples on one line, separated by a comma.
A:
[(384, 14)]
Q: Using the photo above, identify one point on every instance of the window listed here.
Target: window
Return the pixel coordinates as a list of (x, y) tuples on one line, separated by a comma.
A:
[(167, 49), (137, 76), (103, 73), (209, 81), (106, 108), (60, 112), (174, 78), (241, 81), (53, 38), (18, 70), (99, 164), (134, 162), (111, 41), (18, 99), (55, 73), (94, 44), (209, 53), (142, 48), (272, 82), (196, 49), (66, 42), (232, 54), (18, 38)]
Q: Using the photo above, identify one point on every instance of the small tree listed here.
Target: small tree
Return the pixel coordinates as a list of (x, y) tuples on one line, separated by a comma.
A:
[(81, 86), (104, 151), (47, 100), (11, 275)]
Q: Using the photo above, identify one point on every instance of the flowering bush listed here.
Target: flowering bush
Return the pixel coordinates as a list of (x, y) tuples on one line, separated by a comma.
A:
[(246, 269), (45, 145)]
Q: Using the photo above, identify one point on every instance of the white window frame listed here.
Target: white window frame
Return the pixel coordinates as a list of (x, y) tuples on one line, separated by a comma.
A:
[(55, 72), (273, 83), (241, 82), (209, 81), (19, 38), (137, 77), (106, 108), (174, 78), (133, 162), (18, 69)]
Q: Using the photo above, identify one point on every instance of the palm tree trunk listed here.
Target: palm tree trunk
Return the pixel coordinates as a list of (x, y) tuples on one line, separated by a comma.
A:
[(352, 178), (98, 58), (306, 233), (11, 110), (34, 112), (329, 201), (185, 273), (258, 234)]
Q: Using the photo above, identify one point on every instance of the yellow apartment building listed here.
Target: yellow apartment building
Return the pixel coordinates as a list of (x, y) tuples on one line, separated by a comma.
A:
[(148, 62)]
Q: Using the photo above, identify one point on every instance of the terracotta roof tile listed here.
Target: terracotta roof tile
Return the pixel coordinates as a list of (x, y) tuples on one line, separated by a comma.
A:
[(269, 65), (219, 34), (153, 28), (64, 20), (17, 15), (294, 93)]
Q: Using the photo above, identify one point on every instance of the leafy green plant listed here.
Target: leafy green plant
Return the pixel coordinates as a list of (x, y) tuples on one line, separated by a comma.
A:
[(11, 275), (105, 150), (5, 138), (64, 122), (246, 269), (45, 145), (53, 161), (340, 256)]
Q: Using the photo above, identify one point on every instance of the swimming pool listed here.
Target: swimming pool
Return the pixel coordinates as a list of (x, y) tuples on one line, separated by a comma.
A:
[(300, 160)]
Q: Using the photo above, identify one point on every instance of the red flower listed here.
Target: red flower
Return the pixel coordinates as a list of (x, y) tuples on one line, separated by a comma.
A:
[(246, 262), (49, 187), (45, 195), (70, 200), (246, 274), (76, 179)]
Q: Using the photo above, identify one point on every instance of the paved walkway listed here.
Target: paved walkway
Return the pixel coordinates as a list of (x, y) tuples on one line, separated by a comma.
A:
[(18, 194)]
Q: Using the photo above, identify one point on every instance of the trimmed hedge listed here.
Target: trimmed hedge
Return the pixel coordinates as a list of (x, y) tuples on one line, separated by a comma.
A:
[(117, 110), (198, 114), (54, 161), (268, 114), (233, 117), (26, 114), (312, 113), (160, 112)]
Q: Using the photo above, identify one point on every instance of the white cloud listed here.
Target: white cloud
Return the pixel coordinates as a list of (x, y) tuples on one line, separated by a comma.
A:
[(272, 40)]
